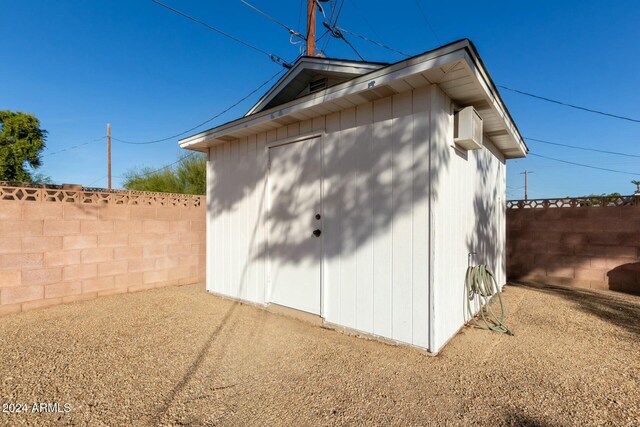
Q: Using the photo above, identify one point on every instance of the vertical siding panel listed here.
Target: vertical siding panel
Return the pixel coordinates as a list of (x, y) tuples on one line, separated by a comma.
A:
[(503, 220), (293, 130), (211, 249), (331, 219), (226, 223), (382, 211), (305, 126), (261, 199), (318, 123), (441, 188), (272, 135), (242, 147), (281, 132), (243, 178), (348, 159), (402, 141), (365, 223), (234, 216), (421, 185), (251, 229), (218, 223)]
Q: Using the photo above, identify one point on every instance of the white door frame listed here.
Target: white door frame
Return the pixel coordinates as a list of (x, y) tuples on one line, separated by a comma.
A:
[(278, 143)]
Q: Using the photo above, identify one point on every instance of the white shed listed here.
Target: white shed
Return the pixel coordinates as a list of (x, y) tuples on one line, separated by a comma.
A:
[(350, 191)]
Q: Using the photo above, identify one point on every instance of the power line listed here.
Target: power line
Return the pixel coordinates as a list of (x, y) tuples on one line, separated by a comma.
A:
[(274, 20), (326, 43), (335, 32), (426, 19), (206, 121), (73, 147), (147, 173), (569, 105), (374, 42), (275, 58), (505, 87), (344, 39), (617, 153), (583, 165), (362, 16), (96, 181), (337, 15)]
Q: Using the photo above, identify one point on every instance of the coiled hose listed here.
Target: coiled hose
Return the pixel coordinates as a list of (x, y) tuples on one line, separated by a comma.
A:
[(481, 281)]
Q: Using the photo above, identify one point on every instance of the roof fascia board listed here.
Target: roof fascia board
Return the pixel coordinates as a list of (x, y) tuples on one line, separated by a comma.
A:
[(362, 83)]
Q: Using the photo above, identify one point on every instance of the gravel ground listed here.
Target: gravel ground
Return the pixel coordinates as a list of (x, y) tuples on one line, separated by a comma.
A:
[(178, 356)]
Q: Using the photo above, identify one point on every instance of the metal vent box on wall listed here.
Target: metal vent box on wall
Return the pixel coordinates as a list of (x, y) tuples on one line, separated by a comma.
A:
[(468, 129)]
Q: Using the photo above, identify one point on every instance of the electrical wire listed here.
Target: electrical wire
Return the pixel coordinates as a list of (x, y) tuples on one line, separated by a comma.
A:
[(565, 104), (335, 32), (333, 4), (97, 180), (272, 19), (73, 147), (426, 19), (617, 153), (275, 58), (151, 172), (300, 14), (323, 49), (374, 42), (206, 121), (344, 39), (362, 16), (337, 15), (584, 165)]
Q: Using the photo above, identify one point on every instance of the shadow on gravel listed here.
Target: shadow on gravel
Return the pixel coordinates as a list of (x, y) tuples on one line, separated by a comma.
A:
[(521, 420), (195, 365), (622, 311)]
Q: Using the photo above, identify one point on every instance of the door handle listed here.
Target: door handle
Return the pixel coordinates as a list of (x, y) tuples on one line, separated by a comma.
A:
[(317, 232)]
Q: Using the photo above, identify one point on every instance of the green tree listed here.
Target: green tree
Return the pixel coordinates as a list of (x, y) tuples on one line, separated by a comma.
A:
[(596, 199), (637, 184), (21, 142), (189, 176)]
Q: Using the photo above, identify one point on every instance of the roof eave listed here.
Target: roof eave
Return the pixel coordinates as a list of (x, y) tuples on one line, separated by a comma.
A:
[(461, 50)]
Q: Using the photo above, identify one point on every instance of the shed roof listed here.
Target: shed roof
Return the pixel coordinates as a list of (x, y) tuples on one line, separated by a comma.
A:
[(456, 68)]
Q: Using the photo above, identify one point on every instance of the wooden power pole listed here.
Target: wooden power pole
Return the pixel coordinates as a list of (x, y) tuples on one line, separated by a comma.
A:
[(311, 27), (526, 183), (109, 156)]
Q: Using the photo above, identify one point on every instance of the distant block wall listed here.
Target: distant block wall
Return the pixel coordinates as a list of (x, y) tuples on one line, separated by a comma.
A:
[(59, 246), (594, 247)]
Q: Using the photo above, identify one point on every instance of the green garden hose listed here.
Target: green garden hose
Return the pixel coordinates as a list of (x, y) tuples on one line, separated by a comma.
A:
[(481, 281)]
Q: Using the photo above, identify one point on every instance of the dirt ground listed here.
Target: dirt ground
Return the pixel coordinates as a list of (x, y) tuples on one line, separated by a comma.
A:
[(179, 356)]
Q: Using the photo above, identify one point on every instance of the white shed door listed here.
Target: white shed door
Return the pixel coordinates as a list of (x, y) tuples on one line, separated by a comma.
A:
[(295, 225)]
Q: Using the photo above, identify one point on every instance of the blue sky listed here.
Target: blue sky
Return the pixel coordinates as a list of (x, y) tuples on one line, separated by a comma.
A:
[(78, 65)]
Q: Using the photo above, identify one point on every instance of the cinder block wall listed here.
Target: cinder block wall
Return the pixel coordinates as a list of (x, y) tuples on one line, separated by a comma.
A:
[(53, 252), (587, 247)]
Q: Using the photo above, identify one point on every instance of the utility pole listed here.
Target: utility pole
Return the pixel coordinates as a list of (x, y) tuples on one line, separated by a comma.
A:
[(526, 183), (311, 27), (109, 156)]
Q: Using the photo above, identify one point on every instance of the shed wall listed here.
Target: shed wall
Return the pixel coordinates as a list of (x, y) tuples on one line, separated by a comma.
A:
[(468, 215), (375, 215), (389, 171)]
